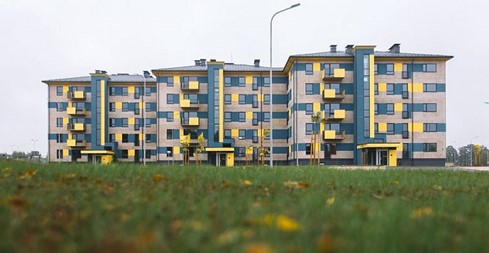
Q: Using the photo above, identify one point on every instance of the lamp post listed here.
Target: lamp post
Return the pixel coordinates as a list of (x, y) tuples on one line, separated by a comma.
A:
[(271, 81), (34, 141)]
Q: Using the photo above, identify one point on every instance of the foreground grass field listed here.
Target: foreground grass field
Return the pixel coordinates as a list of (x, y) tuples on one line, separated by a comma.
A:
[(128, 208)]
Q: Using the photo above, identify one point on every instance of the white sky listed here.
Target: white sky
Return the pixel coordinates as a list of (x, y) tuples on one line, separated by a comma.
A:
[(50, 39)]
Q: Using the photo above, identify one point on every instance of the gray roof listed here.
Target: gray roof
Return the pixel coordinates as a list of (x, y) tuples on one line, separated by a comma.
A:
[(118, 78), (227, 67), (376, 53)]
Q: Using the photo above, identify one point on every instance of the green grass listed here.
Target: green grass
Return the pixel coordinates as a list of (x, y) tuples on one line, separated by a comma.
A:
[(128, 208)]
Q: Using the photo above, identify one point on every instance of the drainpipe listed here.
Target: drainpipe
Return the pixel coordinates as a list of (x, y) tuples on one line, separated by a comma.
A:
[(412, 112)]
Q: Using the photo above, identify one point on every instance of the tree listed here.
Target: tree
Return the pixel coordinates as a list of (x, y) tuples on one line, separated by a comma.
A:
[(316, 119), (200, 149), (262, 150), (452, 155), (249, 155), (185, 141)]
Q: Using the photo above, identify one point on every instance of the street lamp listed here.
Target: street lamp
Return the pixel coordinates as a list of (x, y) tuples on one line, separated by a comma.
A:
[(271, 82), (34, 141)]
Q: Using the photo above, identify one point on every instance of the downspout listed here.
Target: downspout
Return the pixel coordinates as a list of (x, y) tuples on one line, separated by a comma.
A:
[(295, 107), (412, 112), (157, 120)]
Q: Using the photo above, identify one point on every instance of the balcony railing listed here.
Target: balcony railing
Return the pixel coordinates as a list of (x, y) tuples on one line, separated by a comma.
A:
[(190, 86), (72, 143), (192, 121), (336, 74), (337, 115), (333, 135), (76, 127), (330, 94), (186, 104), (76, 111), (76, 95)]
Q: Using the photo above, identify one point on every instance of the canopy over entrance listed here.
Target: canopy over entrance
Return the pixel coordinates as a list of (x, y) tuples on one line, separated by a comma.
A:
[(221, 156), (99, 156), (380, 153)]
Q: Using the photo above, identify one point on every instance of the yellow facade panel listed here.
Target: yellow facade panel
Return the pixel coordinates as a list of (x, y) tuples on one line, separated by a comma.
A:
[(65, 89), (398, 67), (176, 79), (131, 152), (249, 80), (316, 66), (176, 114), (176, 150), (130, 89), (249, 115), (398, 107), (65, 121), (234, 132), (382, 87), (118, 105), (382, 127), (131, 121), (416, 127), (118, 137), (66, 152), (317, 107), (234, 97)]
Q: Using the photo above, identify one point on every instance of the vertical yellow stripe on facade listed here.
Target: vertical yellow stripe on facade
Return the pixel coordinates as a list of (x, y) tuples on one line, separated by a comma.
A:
[(176, 150), (102, 112), (65, 89), (66, 152), (372, 96), (176, 79), (221, 105)]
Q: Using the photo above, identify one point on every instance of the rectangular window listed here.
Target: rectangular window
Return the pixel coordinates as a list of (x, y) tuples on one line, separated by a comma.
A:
[(429, 87), (111, 91), (376, 109), (241, 116), (309, 109), (59, 90), (59, 122), (390, 89), (227, 117), (429, 107), (147, 122), (429, 147), (59, 154), (59, 107), (255, 100), (376, 89), (242, 99), (147, 92), (405, 72), (376, 127), (169, 152), (124, 153), (405, 132), (111, 107), (169, 81), (266, 82), (227, 133), (125, 106), (429, 127), (148, 138), (227, 99), (59, 138), (390, 69), (405, 92), (266, 99), (242, 134), (255, 83), (429, 67), (112, 122), (333, 86), (147, 107), (169, 134), (308, 148), (124, 122), (169, 99), (227, 81), (125, 138), (309, 128), (241, 81), (390, 109), (241, 152), (329, 149), (390, 128), (255, 136), (124, 91), (309, 69), (266, 117), (405, 112), (255, 118), (376, 69), (169, 117), (309, 89)]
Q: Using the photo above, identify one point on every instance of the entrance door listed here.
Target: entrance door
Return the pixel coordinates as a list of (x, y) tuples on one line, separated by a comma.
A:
[(382, 156)]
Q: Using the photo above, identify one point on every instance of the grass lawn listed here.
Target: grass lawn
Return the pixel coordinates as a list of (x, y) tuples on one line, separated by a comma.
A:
[(128, 208)]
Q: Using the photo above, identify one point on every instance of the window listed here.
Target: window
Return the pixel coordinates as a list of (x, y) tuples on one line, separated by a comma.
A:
[(227, 117), (241, 116), (169, 81), (148, 138), (169, 99), (405, 71), (169, 152), (376, 127), (242, 134), (329, 68), (227, 99), (227, 81), (266, 99), (255, 83), (255, 119), (429, 107), (125, 106), (405, 132), (147, 107), (308, 148), (147, 122), (59, 122), (376, 88), (169, 134), (242, 99), (309, 128), (255, 100), (309, 69), (390, 128), (405, 111), (429, 147), (309, 89), (429, 127), (241, 81), (137, 125), (405, 150), (124, 122), (309, 109), (390, 89), (329, 109), (241, 152), (112, 122), (169, 117), (266, 82), (111, 137), (124, 91), (333, 126), (59, 154), (125, 138), (111, 91), (390, 69), (59, 91), (137, 92), (329, 149), (111, 107), (255, 135), (335, 86), (376, 109), (124, 153), (147, 154), (405, 92), (376, 69), (227, 133), (60, 107), (429, 87), (429, 67), (59, 138), (390, 109), (266, 117)]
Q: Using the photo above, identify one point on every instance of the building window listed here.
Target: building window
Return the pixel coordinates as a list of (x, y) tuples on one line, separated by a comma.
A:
[(169, 81), (429, 67), (255, 100), (169, 134), (125, 138), (335, 86), (255, 135), (255, 119), (405, 92), (59, 122), (429, 107), (309, 89), (429, 127), (266, 117), (227, 117), (308, 148), (227, 81), (376, 69), (390, 128), (241, 116), (169, 99), (376, 109), (405, 111), (147, 122), (266, 82), (329, 149), (309, 69), (124, 122), (429, 147), (376, 127), (59, 90), (242, 134), (59, 107), (111, 107), (390, 109), (125, 106), (309, 109), (390, 89), (111, 137), (242, 99), (148, 138), (266, 99), (227, 133), (376, 89), (147, 107), (112, 122), (124, 153), (169, 117), (255, 83), (429, 87), (111, 91), (227, 99), (405, 71), (309, 128), (241, 81), (59, 138), (169, 152), (59, 154), (390, 69), (124, 91), (405, 132)]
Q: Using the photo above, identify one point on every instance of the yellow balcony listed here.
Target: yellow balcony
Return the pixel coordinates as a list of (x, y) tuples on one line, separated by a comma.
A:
[(332, 135), (76, 112), (190, 86), (76, 95), (330, 94), (185, 104), (337, 74), (72, 143), (77, 127), (192, 121), (337, 115)]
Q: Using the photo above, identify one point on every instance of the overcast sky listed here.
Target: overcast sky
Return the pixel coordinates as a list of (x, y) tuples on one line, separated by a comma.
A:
[(50, 39)]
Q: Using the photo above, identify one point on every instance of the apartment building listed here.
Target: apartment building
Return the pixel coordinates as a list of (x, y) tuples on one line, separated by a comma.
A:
[(377, 108)]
